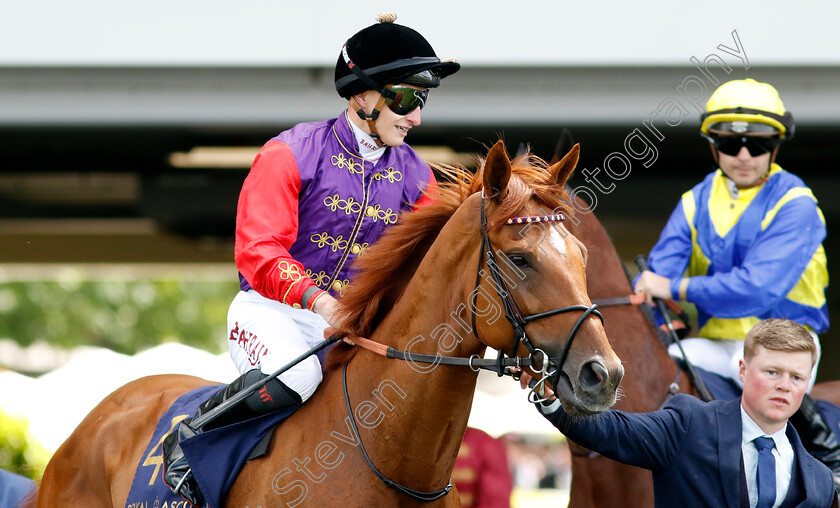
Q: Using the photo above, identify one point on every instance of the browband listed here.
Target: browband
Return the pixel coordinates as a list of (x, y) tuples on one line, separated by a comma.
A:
[(559, 217)]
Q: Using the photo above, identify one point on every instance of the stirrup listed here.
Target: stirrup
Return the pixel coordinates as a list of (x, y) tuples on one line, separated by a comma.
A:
[(177, 488), (177, 473), (192, 494)]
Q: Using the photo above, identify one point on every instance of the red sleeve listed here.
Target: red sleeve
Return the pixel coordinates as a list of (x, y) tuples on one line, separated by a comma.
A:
[(431, 194), (267, 225)]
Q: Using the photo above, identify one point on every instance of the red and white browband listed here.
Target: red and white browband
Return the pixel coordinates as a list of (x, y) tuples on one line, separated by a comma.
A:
[(536, 218)]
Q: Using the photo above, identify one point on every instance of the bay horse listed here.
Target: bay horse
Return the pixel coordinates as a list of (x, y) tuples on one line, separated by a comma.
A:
[(598, 482), (651, 375), (435, 284)]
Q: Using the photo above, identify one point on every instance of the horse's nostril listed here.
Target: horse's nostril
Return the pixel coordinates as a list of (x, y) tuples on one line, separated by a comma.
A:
[(593, 376)]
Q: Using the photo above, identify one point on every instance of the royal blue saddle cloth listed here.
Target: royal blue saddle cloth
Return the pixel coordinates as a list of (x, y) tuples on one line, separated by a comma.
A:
[(725, 389), (216, 456)]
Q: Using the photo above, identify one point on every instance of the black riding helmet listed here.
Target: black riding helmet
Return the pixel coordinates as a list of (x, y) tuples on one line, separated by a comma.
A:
[(388, 53)]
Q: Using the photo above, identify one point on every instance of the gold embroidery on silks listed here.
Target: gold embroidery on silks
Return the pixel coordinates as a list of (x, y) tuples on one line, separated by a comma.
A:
[(343, 289), (321, 278), (348, 206), (341, 161), (387, 216), (289, 271), (324, 239), (340, 286), (390, 174)]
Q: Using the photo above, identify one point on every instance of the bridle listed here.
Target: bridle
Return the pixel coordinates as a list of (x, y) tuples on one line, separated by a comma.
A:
[(550, 367)]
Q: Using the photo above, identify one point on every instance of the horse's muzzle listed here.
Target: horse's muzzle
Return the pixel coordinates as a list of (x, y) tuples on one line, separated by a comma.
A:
[(594, 378), (591, 389)]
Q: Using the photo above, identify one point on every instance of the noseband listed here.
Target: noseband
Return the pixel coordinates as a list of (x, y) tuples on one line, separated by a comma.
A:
[(549, 366)]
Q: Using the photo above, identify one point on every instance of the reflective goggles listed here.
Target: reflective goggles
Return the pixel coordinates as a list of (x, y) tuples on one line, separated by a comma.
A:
[(731, 145), (423, 79), (743, 127), (405, 99)]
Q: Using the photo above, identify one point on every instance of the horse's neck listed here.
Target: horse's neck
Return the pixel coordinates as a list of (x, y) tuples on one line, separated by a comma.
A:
[(431, 404)]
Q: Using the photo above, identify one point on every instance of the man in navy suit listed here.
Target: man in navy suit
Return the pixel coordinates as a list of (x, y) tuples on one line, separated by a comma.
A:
[(709, 454)]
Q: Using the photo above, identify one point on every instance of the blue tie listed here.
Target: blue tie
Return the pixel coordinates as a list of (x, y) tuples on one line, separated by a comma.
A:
[(766, 477)]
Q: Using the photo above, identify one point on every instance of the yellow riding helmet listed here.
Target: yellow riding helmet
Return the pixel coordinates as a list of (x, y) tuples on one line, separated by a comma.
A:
[(744, 103)]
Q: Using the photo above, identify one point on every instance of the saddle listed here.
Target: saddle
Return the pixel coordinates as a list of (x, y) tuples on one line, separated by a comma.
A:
[(238, 443)]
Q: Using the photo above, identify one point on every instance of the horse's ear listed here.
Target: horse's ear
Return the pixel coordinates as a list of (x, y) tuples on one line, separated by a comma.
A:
[(563, 169), (496, 171)]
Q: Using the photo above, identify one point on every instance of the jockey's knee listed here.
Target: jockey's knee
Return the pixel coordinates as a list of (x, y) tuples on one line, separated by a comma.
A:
[(303, 378), (272, 396)]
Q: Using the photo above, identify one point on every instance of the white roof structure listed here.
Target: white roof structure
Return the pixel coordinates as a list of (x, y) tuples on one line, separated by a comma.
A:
[(212, 63), (77, 387), (218, 33)]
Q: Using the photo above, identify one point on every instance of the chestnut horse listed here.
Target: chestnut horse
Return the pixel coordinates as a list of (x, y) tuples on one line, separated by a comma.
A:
[(416, 290), (598, 482)]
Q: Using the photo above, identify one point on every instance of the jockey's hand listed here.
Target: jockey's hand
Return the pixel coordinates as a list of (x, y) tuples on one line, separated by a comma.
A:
[(654, 286), (326, 307)]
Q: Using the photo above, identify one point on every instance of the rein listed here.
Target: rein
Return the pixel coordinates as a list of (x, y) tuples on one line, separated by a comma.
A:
[(474, 362), (416, 494), (638, 299), (634, 299), (693, 375)]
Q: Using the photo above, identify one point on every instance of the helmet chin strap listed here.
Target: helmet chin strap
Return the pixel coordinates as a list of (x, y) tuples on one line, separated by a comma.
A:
[(773, 155), (371, 119)]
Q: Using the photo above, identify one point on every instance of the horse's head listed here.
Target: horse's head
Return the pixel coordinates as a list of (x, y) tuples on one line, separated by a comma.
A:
[(532, 268), (535, 268)]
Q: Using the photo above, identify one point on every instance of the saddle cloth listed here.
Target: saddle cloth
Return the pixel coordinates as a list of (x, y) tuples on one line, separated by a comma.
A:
[(216, 456)]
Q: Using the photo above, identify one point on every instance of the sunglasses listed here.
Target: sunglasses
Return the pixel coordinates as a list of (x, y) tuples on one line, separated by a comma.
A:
[(406, 100), (731, 145)]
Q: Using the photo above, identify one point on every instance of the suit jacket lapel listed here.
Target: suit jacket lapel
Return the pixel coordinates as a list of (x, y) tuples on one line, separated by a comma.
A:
[(806, 467), (729, 449)]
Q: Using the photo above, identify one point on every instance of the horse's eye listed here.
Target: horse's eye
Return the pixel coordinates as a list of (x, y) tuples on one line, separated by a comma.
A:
[(519, 261)]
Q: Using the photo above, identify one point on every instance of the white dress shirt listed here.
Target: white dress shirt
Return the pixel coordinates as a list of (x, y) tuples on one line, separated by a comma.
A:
[(783, 453)]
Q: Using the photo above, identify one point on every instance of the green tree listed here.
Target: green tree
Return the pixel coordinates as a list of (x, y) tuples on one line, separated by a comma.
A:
[(125, 316), (20, 453)]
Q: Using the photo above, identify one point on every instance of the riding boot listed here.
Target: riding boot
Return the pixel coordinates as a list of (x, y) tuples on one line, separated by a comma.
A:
[(817, 437), (275, 395)]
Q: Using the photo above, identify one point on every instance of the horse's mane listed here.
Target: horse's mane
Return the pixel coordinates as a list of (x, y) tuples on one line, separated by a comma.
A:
[(382, 273)]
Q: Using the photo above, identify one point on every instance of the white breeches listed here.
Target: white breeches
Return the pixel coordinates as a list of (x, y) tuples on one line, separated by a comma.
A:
[(267, 334), (723, 356)]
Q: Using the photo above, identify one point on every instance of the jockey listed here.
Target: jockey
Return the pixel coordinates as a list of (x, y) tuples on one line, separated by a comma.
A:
[(745, 244), (316, 197)]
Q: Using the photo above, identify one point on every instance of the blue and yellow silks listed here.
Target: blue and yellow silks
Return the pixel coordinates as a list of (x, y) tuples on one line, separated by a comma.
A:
[(753, 257)]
